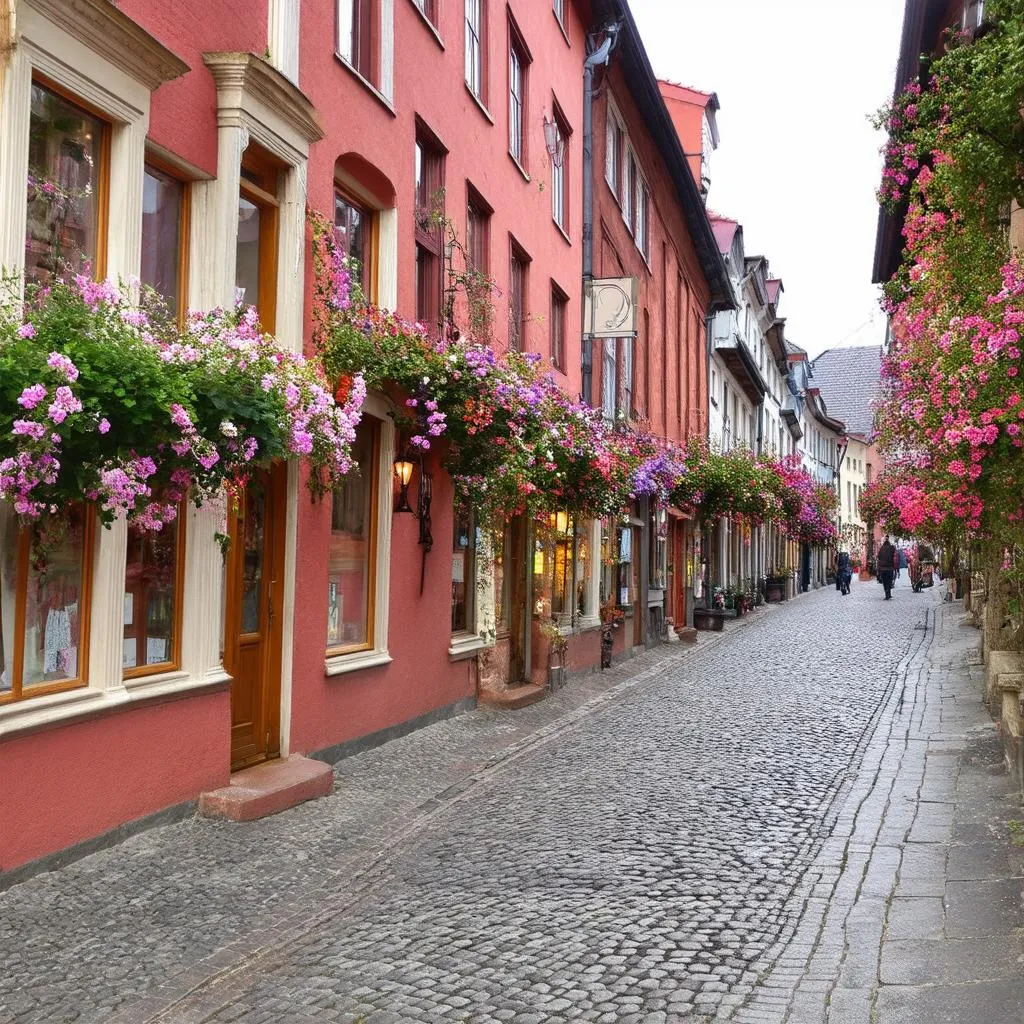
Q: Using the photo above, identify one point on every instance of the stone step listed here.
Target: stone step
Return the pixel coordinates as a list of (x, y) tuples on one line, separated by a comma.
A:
[(514, 697), (268, 788)]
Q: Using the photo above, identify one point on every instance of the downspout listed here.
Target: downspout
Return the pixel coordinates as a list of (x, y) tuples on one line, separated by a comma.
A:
[(597, 56)]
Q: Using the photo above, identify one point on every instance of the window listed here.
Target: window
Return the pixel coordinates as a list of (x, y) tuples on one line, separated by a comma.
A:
[(559, 306), (518, 264), (560, 175), (561, 568), (67, 188), (478, 232), (615, 140), (256, 243), (464, 548), (164, 238), (475, 48), (356, 32), (628, 196), (626, 377), (559, 8), (44, 616), (518, 65), (608, 389), (641, 221), (429, 214), (153, 586), (428, 8), (707, 144), (354, 227), (351, 564), (974, 14)]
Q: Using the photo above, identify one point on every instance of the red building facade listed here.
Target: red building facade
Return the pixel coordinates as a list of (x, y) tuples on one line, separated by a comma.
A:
[(330, 625)]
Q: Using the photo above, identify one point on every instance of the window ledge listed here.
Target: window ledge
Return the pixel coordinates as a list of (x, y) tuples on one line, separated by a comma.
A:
[(479, 102), (562, 231), (342, 664), (519, 167), (561, 27), (367, 84), (75, 705), (431, 27), (465, 645)]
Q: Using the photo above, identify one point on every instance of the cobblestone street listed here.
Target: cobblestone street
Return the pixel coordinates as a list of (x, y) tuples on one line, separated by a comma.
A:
[(670, 841)]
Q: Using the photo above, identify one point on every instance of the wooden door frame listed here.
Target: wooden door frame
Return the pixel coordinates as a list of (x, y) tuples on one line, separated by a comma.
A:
[(268, 726)]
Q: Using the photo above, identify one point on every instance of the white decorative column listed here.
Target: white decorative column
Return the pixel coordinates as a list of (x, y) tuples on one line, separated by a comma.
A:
[(387, 259), (291, 258), (15, 103), (127, 173), (387, 48), (106, 623), (202, 614)]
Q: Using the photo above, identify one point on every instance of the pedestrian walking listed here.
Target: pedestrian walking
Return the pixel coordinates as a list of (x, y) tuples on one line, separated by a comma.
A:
[(844, 572), (888, 560)]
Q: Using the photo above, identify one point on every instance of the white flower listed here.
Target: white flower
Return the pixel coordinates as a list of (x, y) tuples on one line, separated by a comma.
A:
[(228, 429)]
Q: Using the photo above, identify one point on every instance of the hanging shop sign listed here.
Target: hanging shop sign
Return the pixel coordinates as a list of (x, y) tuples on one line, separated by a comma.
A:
[(609, 307)]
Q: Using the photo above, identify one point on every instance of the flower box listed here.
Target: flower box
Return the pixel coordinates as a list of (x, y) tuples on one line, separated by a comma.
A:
[(708, 620)]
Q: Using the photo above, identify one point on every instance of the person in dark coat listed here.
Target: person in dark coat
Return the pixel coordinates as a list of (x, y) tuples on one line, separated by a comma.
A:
[(888, 560), (844, 572)]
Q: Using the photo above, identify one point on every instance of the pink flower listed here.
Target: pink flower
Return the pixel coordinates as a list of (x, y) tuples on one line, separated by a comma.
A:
[(104, 426), (26, 331), (32, 396)]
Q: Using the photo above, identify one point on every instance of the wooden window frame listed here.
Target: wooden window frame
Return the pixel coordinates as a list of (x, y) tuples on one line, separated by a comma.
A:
[(364, 29), (174, 663), (478, 210), (559, 318), (373, 482), (261, 164), (17, 693), (184, 230), (518, 50), (103, 182), (371, 215), (431, 239), (518, 255), (481, 49)]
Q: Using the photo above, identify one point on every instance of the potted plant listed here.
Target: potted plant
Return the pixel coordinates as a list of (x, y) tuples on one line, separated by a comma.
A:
[(558, 645)]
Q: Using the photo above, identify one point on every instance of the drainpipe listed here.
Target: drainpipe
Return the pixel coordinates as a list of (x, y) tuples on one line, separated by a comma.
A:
[(597, 56)]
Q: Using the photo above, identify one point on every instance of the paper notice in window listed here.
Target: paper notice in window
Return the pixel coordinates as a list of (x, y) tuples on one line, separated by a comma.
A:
[(458, 568)]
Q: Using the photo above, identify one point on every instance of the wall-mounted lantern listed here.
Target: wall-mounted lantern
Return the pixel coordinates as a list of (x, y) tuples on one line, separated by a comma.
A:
[(403, 472)]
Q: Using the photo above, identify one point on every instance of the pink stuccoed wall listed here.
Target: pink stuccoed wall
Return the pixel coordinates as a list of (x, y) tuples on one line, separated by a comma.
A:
[(73, 782)]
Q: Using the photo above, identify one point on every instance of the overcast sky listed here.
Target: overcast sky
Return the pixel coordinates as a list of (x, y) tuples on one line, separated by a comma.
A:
[(798, 161)]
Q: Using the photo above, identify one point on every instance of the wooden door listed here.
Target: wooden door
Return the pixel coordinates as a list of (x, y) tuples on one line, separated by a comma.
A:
[(252, 629)]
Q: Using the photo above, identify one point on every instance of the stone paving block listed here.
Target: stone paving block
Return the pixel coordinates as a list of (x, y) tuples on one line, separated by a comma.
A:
[(915, 918), (984, 908), (950, 961), (980, 861), (981, 1003)]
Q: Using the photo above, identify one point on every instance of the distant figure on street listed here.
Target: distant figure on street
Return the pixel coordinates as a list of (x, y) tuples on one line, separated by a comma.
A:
[(844, 572), (888, 562)]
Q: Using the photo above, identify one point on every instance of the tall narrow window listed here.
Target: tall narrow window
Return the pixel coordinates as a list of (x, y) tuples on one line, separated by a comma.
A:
[(475, 48), (67, 188), (351, 561), (641, 223), (164, 241), (629, 191), (560, 175), (464, 547), (429, 200), (154, 579), (356, 33), (478, 231), (608, 378), (353, 227), (518, 264), (256, 242), (558, 6), (559, 305), (44, 612), (614, 144), (518, 66), (626, 377)]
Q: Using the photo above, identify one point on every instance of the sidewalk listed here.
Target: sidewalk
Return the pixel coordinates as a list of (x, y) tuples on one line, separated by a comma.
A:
[(918, 914)]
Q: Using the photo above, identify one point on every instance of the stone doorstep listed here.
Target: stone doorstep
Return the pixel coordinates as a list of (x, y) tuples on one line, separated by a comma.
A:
[(268, 788), (514, 697)]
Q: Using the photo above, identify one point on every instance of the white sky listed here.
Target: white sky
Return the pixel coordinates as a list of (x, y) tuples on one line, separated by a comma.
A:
[(798, 161)]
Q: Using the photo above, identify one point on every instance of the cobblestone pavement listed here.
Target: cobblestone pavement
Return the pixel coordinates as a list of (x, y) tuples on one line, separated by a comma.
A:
[(647, 845)]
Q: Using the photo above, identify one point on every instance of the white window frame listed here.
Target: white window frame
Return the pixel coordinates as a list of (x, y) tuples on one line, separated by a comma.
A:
[(559, 206), (341, 664), (474, 14), (516, 83), (613, 169)]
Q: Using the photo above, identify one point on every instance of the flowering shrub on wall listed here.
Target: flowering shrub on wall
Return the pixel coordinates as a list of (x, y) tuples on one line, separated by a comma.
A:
[(952, 413), (102, 402)]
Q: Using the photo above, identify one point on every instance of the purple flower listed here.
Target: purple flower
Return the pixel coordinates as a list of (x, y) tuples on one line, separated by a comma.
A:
[(26, 331), (104, 426), (32, 396)]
